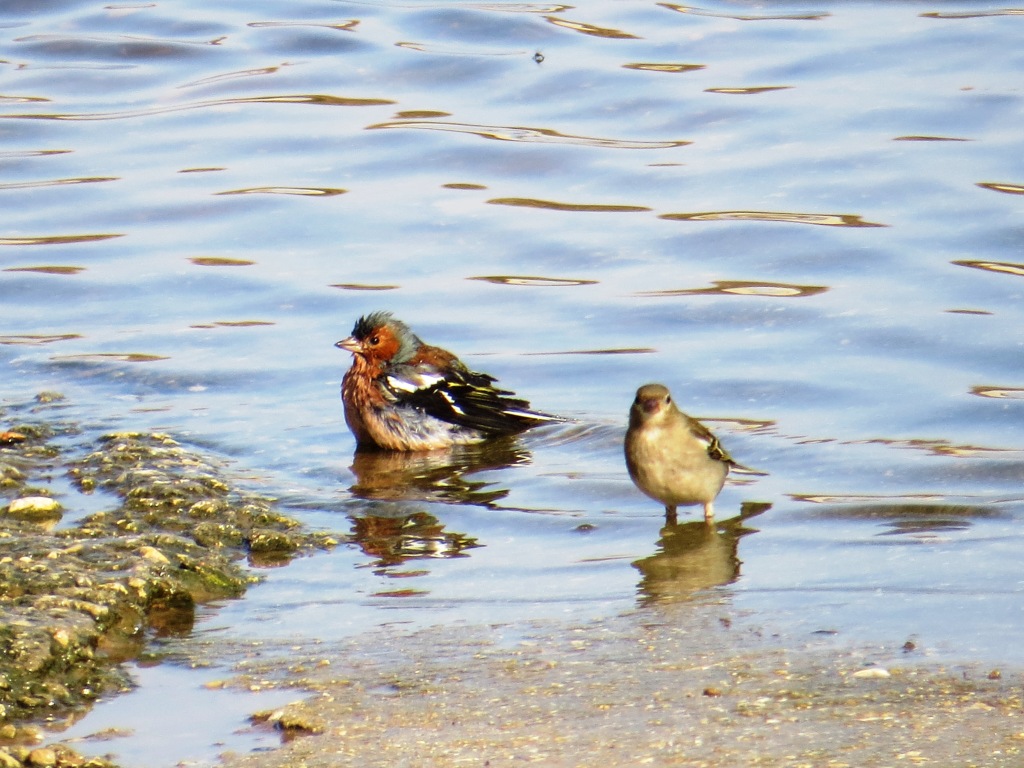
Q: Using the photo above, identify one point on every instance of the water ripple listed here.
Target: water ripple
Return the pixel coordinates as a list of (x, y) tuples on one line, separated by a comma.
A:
[(57, 182), (1005, 267), (36, 339), (22, 99), (753, 90), (971, 14), (614, 351), (942, 447), (651, 67), (33, 153), (521, 7), (302, 191), (102, 357), (119, 47), (425, 48), (55, 239), (531, 135), (551, 205), (762, 17), (315, 99), (254, 72), (928, 138), (345, 26), (999, 393), (820, 219), (532, 281), (365, 287), (590, 29), (743, 288), (995, 186), (48, 270), (219, 261)]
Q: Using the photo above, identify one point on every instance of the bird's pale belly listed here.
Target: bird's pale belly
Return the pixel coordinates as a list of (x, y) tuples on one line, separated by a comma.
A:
[(675, 476)]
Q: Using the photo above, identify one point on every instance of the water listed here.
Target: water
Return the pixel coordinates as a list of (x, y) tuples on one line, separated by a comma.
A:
[(806, 219)]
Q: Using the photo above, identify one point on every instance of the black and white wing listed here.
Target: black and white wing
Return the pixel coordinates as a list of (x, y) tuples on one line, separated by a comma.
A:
[(461, 397)]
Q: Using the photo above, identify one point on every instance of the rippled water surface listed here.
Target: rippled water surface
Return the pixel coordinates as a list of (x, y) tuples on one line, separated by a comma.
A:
[(807, 219)]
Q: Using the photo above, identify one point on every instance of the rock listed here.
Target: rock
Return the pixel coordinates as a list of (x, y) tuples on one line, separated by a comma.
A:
[(872, 673), (267, 541), (44, 757), (34, 508), (76, 601), (154, 555)]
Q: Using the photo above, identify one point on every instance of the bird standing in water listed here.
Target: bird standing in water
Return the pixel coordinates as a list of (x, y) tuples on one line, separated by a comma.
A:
[(403, 395), (672, 458)]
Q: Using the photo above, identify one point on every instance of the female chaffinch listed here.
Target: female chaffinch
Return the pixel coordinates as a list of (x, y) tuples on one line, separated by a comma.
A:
[(403, 395), (672, 458)]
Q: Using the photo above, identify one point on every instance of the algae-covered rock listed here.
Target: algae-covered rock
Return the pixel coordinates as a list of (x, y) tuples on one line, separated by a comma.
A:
[(77, 601), (35, 508)]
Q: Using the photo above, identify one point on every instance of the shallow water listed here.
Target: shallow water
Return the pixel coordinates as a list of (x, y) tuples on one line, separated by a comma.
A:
[(805, 219)]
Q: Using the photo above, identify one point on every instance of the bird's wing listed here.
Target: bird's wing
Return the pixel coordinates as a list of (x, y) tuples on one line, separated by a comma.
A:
[(460, 396), (717, 452), (710, 442)]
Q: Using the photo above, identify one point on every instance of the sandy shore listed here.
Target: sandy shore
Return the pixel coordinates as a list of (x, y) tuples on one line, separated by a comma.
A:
[(685, 684)]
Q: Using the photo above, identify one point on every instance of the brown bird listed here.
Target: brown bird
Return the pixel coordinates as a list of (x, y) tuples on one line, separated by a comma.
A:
[(404, 395), (672, 458)]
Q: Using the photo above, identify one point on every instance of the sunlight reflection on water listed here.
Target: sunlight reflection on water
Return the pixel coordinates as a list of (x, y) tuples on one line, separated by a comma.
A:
[(804, 188)]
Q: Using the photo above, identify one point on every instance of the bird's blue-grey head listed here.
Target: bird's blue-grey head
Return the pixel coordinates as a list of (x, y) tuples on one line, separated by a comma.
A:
[(369, 326)]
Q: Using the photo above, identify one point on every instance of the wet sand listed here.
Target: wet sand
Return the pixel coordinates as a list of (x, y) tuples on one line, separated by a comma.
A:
[(687, 684)]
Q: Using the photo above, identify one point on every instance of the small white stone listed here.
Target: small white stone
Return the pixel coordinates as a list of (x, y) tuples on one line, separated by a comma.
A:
[(154, 555), (872, 673), (31, 506)]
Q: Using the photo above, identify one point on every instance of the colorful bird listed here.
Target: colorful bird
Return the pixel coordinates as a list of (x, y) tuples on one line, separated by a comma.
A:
[(672, 458), (403, 395)]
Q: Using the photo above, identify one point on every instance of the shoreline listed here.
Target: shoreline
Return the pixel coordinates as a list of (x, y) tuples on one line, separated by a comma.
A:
[(684, 684)]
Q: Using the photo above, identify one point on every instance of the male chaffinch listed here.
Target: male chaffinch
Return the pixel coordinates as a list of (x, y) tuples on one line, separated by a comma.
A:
[(672, 458), (403, 395)]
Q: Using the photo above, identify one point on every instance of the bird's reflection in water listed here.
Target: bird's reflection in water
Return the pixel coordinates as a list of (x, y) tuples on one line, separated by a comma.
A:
[(392, 527), (695, 556), (439, 476), (393, 539)]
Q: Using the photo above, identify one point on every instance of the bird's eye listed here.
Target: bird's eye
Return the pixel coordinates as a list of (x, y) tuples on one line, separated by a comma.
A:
[(374, 341), (668, 398)]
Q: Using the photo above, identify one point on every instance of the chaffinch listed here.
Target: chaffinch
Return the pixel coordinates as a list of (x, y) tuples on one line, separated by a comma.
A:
[(403, 395), (672, 458)]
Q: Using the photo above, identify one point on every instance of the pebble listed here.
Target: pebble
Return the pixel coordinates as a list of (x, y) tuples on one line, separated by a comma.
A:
[(44, 757), (34, 507), (872, 673), (154, 555)]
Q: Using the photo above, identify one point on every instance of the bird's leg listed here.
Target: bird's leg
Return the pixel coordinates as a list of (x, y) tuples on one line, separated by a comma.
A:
[(709, 513), (670, 514)]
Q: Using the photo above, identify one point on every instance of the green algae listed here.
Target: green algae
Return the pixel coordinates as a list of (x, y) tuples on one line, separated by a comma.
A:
[(76, 601)]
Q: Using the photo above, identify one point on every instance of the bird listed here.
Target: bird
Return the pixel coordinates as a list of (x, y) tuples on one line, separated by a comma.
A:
[(401, 394), (671, 457)]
